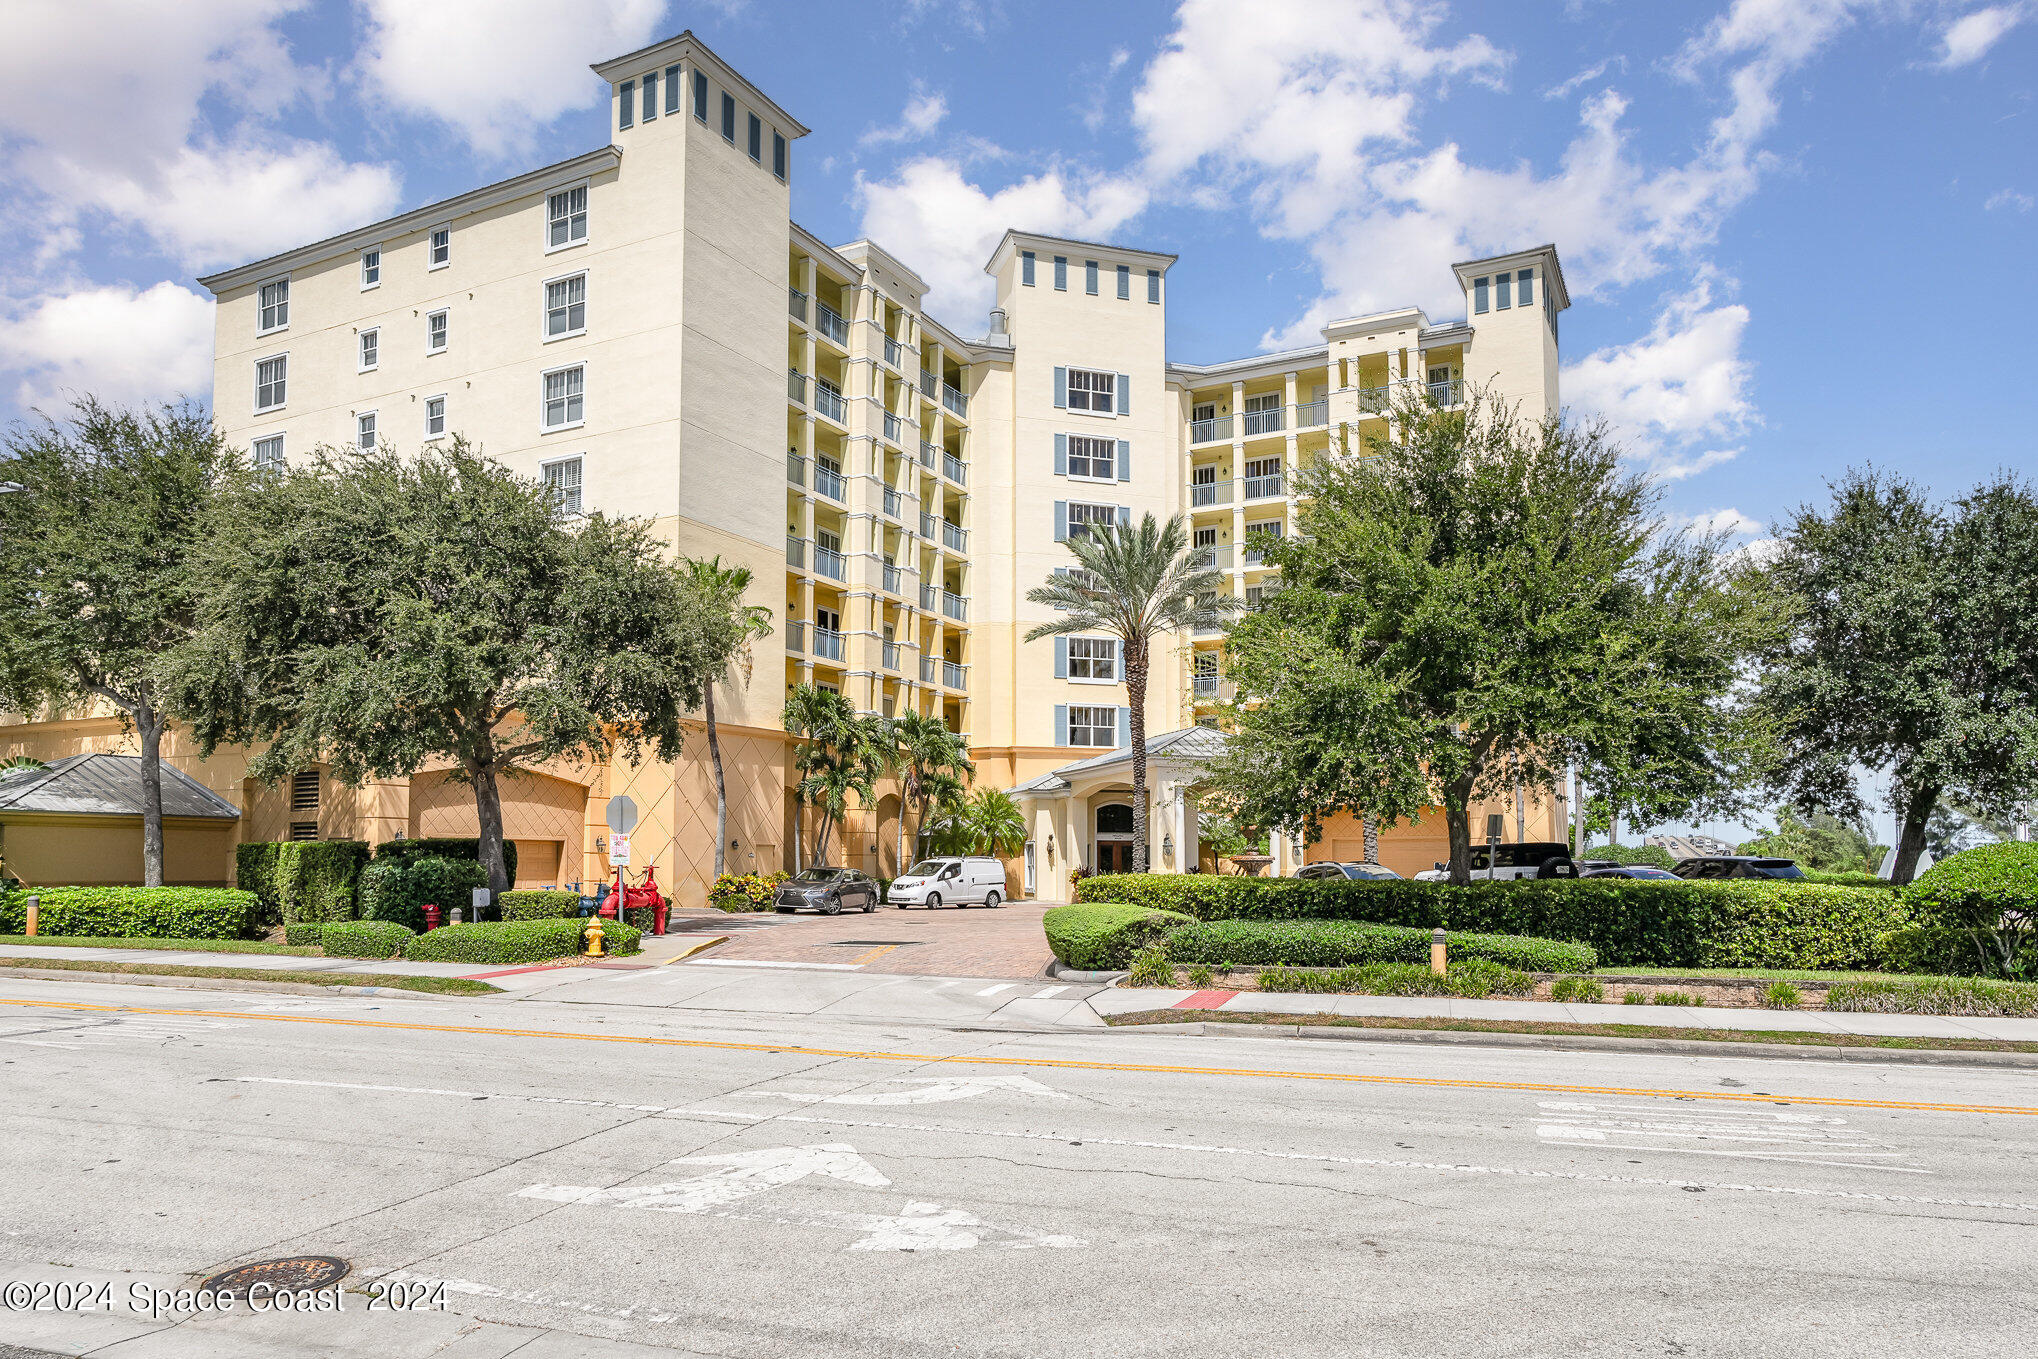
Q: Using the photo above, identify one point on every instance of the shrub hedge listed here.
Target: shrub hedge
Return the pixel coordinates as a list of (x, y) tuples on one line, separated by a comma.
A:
[(304, 932), (1103, 938), (1344, 943), (255, 871), (136, 912), (1474, 978), (1988, 894), (1628, 921), (515, 941), (364, 939), (744, 891), (537, 905), (397, 889), (315, 878), (446, 847), (1837, 879)]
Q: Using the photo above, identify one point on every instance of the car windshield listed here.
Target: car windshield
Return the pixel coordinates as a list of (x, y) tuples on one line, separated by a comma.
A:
[(1776, 868), (926, 868), (1649, 873), (820, 875)]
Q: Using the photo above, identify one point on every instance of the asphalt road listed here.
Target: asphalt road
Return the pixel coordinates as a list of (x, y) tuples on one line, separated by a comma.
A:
[(794, 1186)]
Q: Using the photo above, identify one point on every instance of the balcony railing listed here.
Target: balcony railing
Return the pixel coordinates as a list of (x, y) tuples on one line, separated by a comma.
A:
[(1447, 393), (895, 428), (1212, 557), (894, 503), (1214, 430), (796, 302), (795, 635), (1253, 555), (954, 468), (930, 597), (893, 579), (829, 563), (1312, 413), (952, 675), (828, 401), (829, 483), (955, 401), (1206, 686), (929, 383), (1203, 493), (955, 606), (796, 552), (891, 655), (954, 537), (796, 385), (1263, 488), (1209, 630), (927, 525), (830, 323), (928, 453), (929, 668), (795, 469), (894, 353), (1376, 400), (827, 644), (1264, 422)]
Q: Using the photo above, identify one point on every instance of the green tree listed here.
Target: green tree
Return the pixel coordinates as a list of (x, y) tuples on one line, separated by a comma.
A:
[(933, 768), (1476, 602), (1913, 648), (988, 822), (1819, 840), (1135, 584), (839, 756), (97, 589), (379, 612), (723, 587)]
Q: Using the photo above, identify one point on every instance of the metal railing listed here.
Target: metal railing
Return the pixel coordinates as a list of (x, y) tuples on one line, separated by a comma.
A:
[(796, 552), (1212, 557), (1447, 393), (955, 606), (894, 503), (795, 635), (930, 597), (1376, 400), (828, 401), (1312, 413), (1268, 421), (795, 469), (796, 302), (929, 667), (827, 644), (954, 537), (895, 428), (1209, 493), (796, 385), (830, 323), (928, 453), (929, 383), (954, 468), (1254, 556), (893, 352), (1206, 686), (893, 579), (830, 483), (927, 525), (952, 675), (1209, 630), (955, 401), (1263, 488), (829, 563), (891, 655), (1213, 430)]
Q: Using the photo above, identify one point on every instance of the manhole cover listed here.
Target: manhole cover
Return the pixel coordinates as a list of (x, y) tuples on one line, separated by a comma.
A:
[(293, 1274)]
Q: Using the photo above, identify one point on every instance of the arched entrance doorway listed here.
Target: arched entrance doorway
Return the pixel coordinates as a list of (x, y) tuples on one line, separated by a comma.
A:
[(1112, 850)]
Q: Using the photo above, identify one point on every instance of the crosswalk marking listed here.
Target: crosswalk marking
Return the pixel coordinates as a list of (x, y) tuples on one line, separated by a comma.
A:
[(993, 990)]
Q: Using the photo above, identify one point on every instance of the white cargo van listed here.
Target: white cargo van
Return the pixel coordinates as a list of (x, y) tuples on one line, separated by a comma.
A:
[(949, 882)]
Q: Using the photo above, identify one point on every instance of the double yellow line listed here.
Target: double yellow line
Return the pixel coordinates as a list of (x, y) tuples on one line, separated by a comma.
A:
[(1056, 1063)]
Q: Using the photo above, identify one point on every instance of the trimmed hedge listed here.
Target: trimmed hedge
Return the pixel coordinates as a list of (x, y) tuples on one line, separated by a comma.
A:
[(1941, 950), (1651, 856), (1347, 943), (535, 905), (364, 939), (1474, 979), (1837, 879), (255, 871), (746, 891), (1977, 886), (447, 847), (136, 912), (515, 941), (398, 889), (1103, 938), (1635, 922), (304, 932), (315, 878)]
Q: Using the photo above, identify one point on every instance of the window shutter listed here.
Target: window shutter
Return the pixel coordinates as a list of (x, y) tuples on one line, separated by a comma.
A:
[(1061, 724), (1478, 296), (1061, 521), (1124, 394), (1503, 296), (1124, 728), (1061, 455), (1061, 658), (1526, 296), (1125, 460), (1090, 277), (1124, 282), (1125, 516), (626, 105), (1061, 389)]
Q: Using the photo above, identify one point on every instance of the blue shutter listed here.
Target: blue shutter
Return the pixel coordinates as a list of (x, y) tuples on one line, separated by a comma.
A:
[(1153, 285), (1125, 460), (1061, 455), (1478, 296), (1503, 296), (1026, 267), (672, 89), (1526, 294), (1061, 273), (650, 96), (1124, 394), (1124, 282), (1125, 728), (1061, 521), (1061, 658), (626, 105), (1125, 516), (1061, 724), (1061, 389), (1090, 277)]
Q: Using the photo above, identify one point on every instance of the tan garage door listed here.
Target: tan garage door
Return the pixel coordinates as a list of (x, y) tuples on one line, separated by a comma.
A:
[(538, 863)]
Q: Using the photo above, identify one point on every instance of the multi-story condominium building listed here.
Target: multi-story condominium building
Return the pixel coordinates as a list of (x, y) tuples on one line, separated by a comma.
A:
[(646, 329)]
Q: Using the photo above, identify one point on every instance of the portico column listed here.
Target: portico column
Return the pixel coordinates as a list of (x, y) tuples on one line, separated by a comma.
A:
[(1186, 857)]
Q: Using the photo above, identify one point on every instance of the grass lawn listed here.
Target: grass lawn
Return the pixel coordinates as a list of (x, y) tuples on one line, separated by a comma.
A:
[(1751, 1036), (444, 986), (180, 945), (1793, 974)]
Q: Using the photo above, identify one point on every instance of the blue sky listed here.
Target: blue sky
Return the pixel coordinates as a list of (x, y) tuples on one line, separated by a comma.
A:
[(1791, 228)]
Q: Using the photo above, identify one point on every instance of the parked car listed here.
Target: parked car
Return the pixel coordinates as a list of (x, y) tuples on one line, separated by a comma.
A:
[(1523, 859), (969, 881), (830, 891), (1603, 868), (1353, 872), (1713, 866)]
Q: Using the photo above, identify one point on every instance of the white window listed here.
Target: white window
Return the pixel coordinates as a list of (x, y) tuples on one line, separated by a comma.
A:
[(1090, 391), (437, 326), (371, 349), (275, 306), (1206, 662), (364, 431), (1263, 401), (1094, 659), (562, 483), (1271, 527), (1082, 517), (566, 217), (440, 252), (564, 391), (371, 268), (269, 453), (1093, 457), (566, 306), (1093, 727), (271, 381), (435, 416)]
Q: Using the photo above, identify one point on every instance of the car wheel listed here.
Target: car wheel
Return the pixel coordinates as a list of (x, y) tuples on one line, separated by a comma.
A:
[(832, 906), (869, 905), (991, 900), (783, 910), (934, 901)]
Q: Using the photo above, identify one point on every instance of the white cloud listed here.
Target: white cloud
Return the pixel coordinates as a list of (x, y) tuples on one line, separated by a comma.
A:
[(1585, 77), (922, 114), (2011, 199), (497, 71), (1968, 38), (1728, 520), (113, 341)]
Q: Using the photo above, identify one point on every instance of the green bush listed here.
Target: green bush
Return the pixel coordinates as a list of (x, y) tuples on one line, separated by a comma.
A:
[(1636, 922), (746, 891), (1581, 989), (1150, 967), (1651, 856), (364, 939), (398, 889), (515, 941), (1941, 950), (1838, 879), (136, 912), (1938, 996), (1473, 979), (1342, 943), (1633, 998), (446, 847), (315, 879), (1103, 938), (1781, 995), (255, 871), (534, 905), (1989, 894), (1676, 998), (1202, 976), (304, 932)]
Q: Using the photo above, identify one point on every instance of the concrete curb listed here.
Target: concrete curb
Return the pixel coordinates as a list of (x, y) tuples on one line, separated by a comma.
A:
[(221, 983), (701, 947), (1059, 972), (1556, 1042)]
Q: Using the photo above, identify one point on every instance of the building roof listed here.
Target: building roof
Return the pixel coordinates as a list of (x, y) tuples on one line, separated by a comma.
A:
[(1013, 237), (1545, 253), (684, 46), (1195, 745), (107, 785)]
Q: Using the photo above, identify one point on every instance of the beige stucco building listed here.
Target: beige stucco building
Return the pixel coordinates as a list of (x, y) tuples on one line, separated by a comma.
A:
[(645, 328)]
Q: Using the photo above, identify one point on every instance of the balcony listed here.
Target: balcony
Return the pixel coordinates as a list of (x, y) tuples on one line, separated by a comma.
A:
[(1206, 686), (1263, 488), (956, 403), (894, 353), (954, 468), (828, 401), (830, 323), (1254, 556), (929, 668), (829, 483), (929, 383), (827, 644), (927, 526), (796, 552), (891, 655), (952, 675), (796, 386), (928, 453), (795, 635), (1203, 493), (1212, 557), (1210, 630), (955, 606), (1214, 430), (894, 580), (894, 504), (930, 597), (1447, 393), (1269, 421), (1376, 400), (954, 537), (1310, 414), (795, 469), (829, 563), (796, 302), (895, 429)]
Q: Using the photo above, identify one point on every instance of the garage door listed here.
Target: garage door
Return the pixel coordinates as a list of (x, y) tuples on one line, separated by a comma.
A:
[(538, 863)]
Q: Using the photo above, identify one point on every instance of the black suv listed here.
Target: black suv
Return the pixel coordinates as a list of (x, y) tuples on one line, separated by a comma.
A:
[(828, 890), (1711, 867)]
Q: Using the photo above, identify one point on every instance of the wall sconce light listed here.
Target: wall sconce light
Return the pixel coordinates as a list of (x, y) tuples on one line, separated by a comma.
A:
[(1050, 848), (601, 844), (1168, 847)]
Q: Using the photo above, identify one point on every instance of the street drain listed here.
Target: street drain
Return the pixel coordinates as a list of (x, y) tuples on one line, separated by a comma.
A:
[(292, 1274), (872, 943)]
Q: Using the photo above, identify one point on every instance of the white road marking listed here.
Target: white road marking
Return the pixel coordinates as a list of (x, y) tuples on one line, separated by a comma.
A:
[(993, 990), (765, 962), (752, 1118), (118, 1029), (1758, 1134), (1044, 992), (454, 1094), (930, 1090)]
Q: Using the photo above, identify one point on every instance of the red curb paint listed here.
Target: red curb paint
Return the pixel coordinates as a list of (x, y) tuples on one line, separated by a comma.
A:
[(513, 971), (1203, 1000)]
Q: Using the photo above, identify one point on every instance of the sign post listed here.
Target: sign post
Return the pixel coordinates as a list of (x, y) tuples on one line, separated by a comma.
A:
[(622, 819)]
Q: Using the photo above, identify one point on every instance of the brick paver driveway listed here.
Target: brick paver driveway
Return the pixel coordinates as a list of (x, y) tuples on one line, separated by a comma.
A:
[(971, 941)]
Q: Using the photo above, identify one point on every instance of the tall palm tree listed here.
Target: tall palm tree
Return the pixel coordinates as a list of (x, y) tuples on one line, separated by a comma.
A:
[(1135, 583), (840, 755), (990, 822), (723, 586), (933, 767)]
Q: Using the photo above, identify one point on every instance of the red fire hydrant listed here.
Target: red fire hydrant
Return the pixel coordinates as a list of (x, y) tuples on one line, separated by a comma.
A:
[(431, 917)]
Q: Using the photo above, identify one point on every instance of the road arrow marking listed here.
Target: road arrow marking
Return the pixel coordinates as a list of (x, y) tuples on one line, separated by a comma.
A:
[(741, 1175), (930, 1090)]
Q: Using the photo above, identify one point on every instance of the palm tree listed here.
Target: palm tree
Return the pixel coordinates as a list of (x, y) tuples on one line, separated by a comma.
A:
[(841, 754), (988, 823), (1135, 583), (723, 586), (933, 767)]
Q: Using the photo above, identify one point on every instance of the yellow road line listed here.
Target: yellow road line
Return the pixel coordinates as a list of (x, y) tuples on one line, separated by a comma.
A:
[(1053, 1063), (701, 946), (874, 953)]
